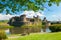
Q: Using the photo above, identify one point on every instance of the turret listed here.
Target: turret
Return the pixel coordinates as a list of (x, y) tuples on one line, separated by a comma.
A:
[(23, 17)]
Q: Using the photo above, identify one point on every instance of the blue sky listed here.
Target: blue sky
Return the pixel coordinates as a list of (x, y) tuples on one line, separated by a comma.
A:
[(54, 12)]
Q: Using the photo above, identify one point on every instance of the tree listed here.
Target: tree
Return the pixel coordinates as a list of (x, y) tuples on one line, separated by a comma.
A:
[(17, 5)]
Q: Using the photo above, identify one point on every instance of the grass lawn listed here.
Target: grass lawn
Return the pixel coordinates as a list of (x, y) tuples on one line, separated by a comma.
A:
[(38, 36)]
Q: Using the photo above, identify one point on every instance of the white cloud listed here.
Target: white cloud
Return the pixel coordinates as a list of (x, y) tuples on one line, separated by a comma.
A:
[(30, 14), (39, 14), (5, 17), (54, 16)]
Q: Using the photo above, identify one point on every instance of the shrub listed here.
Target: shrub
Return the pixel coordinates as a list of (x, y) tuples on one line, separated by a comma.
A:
[(2, 35), (55, 27), (5, 26)]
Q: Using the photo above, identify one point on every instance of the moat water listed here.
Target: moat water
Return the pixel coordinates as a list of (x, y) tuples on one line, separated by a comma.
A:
[(47, 30)]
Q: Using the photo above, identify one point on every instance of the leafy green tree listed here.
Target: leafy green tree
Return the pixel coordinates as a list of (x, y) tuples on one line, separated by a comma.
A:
[(17, 5)]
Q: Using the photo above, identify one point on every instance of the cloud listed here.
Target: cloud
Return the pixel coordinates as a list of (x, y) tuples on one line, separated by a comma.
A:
[(39, 14), (30, 14), (54, 16), (5, 17)]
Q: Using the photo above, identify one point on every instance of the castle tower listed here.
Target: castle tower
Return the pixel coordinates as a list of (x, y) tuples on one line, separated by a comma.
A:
[(23, 18)]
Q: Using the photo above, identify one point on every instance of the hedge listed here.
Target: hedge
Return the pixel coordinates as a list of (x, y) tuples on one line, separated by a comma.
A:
[(55, 27)]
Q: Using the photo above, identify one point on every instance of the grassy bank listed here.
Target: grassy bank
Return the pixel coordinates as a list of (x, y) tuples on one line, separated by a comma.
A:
[(38, 36)]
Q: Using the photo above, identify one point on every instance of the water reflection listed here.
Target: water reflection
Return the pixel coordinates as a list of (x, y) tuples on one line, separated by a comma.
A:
[(47, 30)]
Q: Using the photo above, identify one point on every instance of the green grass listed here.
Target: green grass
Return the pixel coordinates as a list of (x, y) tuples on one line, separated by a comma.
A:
[(39, 36)]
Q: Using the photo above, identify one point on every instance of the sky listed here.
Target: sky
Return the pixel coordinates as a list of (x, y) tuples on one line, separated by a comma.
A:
[(52, 13), (29, 14)]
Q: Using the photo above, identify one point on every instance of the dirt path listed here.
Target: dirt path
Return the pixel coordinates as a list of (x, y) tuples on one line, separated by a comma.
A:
[(13, 36)]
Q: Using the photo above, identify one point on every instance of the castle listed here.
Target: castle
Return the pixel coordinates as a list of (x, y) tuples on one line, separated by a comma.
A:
[(22, 20), (18, 21)]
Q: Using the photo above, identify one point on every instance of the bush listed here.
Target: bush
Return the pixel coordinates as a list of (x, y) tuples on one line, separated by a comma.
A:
[(55, 27), (5, 26), (2, 35)]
